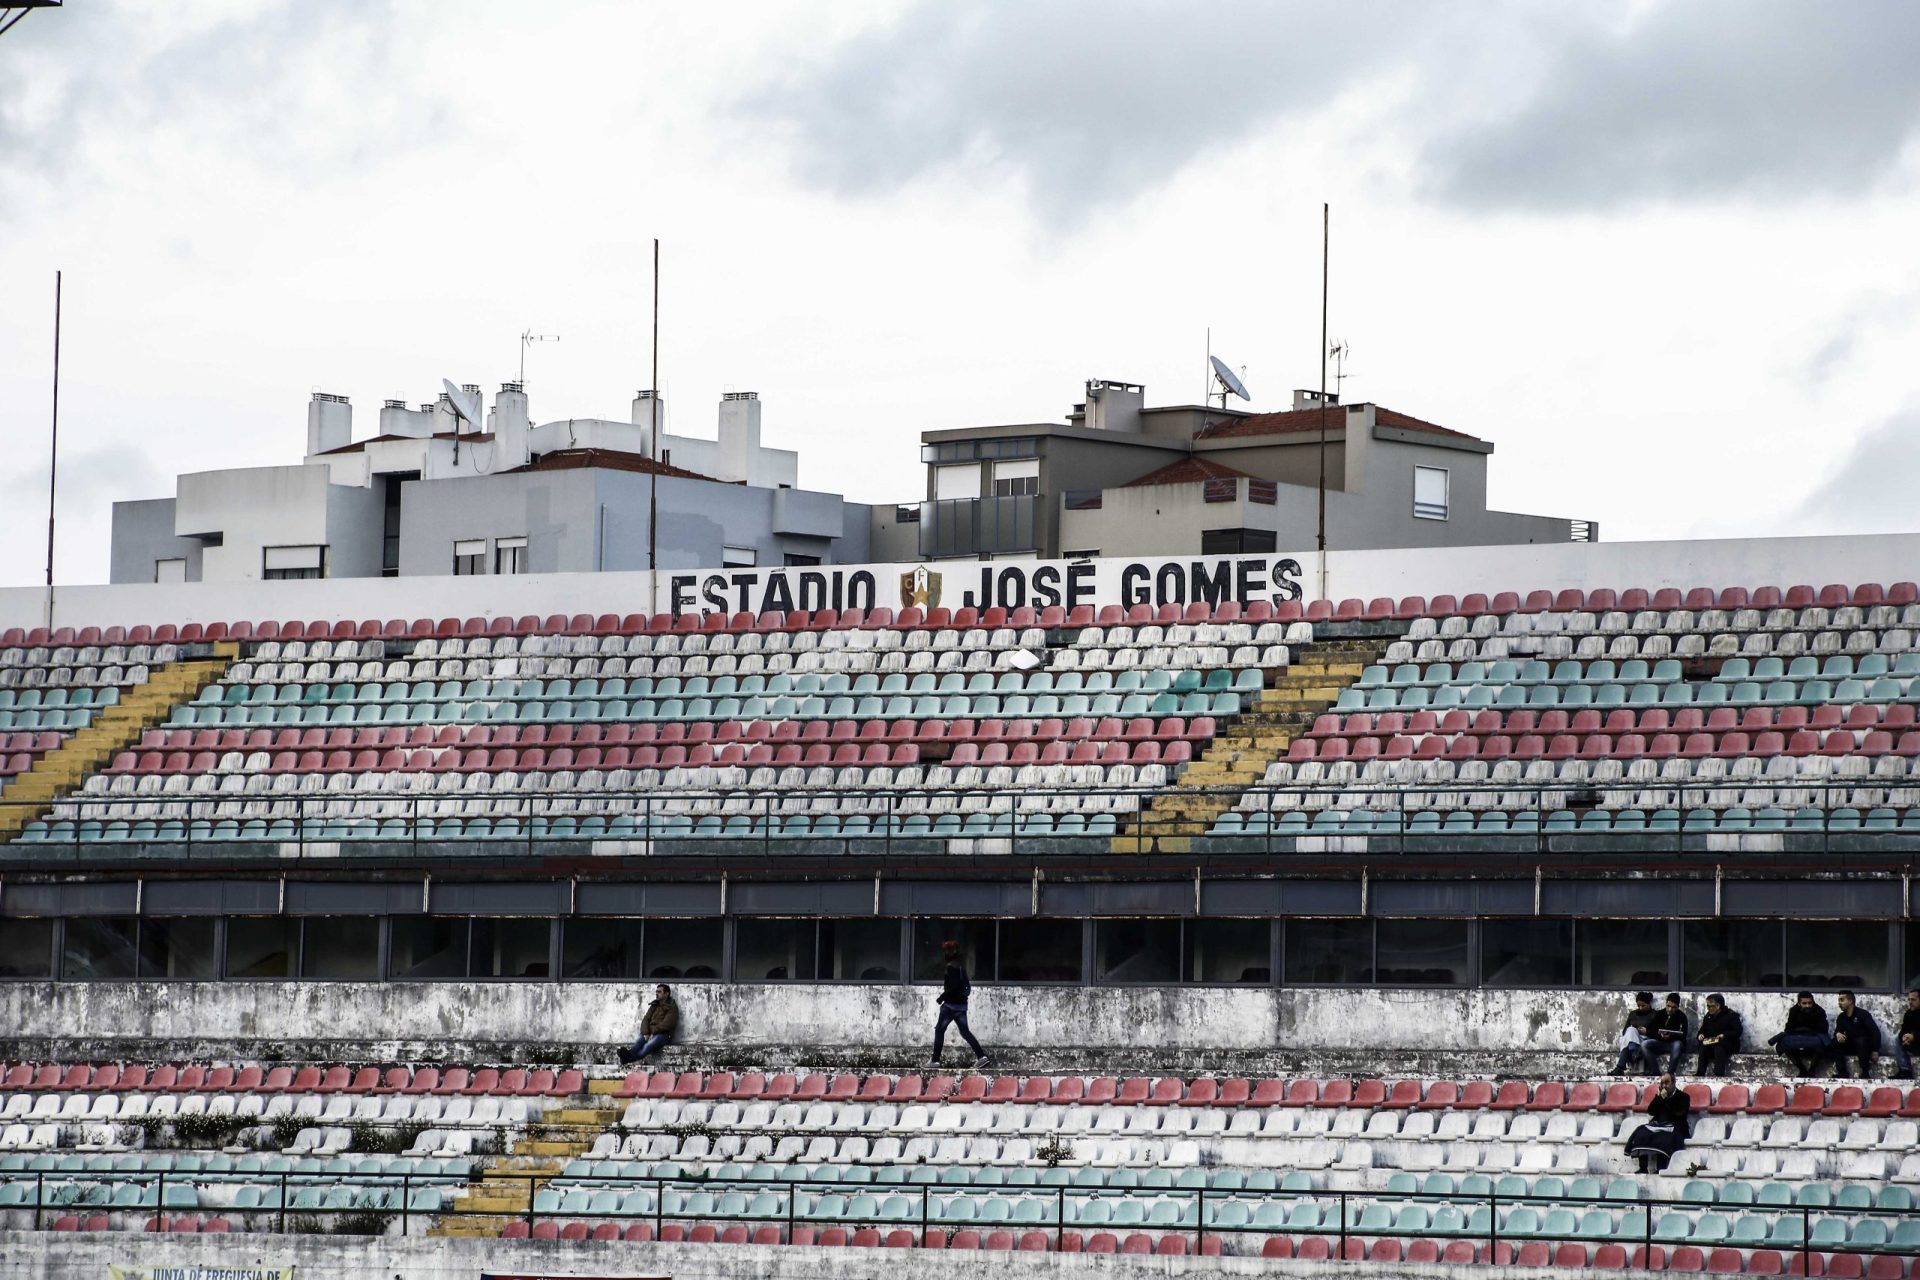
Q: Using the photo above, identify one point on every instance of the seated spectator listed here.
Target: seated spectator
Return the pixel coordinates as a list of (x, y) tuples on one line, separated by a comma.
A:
[(657, 1026), (1855, 1035), (1720, 1035), (1667, 1129), (1804, 1041), (1634, 1034), (1907, 1039), (1667, 1037)]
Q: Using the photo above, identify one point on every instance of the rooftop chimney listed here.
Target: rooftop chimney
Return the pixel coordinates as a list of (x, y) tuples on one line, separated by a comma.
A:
[(1114, 406), (1314, 400), (329, 423), (739, 435), (645, 405), (509, 422)]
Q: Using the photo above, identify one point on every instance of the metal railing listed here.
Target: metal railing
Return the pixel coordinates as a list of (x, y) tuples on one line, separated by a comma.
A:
[(1344, 1228), (1413, 818)]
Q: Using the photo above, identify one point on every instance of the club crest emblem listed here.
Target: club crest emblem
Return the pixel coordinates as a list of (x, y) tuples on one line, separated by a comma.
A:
[(920, 589)]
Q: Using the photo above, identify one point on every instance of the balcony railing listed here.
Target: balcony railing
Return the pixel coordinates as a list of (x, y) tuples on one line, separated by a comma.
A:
[(979, 526)]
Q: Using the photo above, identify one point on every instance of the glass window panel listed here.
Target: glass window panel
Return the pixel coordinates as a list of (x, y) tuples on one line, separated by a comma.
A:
[(1039, 950), (1825, 953), (1622, 953), (1136, 950), (860, 950), (428, 947), (26, 948), (262, 947), (773, 950), (1421, 952), (1230, 951), (511, 948), (1732, 953), (977, 950), (340, 947), (98, 949), (1913, 957), (1526, 953), (690, 950), (1331, 951), (600, 949), (177, 949)]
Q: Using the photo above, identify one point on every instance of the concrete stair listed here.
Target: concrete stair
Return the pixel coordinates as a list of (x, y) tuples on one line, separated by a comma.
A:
[(1239, 754), (503, 1192), (112, 730)]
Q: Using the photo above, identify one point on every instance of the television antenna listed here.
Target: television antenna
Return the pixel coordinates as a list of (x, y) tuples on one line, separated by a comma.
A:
[(527, 339), (1227, 382), (9, 19), (1338, 352)]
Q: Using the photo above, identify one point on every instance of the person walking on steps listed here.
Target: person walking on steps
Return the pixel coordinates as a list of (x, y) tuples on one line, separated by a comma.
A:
[(661, 1020), (953, 1008)]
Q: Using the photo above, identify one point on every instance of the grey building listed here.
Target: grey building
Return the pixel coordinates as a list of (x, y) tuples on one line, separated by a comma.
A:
[(1120, 478), (436, 491)]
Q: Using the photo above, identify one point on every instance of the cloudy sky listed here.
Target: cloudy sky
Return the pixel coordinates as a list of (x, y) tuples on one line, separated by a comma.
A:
[(1663, 254)]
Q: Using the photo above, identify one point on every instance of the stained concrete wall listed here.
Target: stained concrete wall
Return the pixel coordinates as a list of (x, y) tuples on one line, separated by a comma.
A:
[(46, 1256), (854, 1016)]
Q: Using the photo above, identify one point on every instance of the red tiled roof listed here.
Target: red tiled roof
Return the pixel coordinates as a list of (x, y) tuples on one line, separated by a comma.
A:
[(609, 460), (1303, 420), (1189, 471), (471, 437)]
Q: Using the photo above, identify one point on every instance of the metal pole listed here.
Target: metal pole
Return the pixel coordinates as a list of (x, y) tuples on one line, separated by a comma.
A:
[(653, 447), (1326, 223), (53, 446), (1059, 1219)]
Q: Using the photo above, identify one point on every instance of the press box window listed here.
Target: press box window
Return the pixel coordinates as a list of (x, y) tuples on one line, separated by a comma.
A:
[(738, 557), (510, 555), (1233, 542), (279, 564), (1430, 493), (1016, 479), (470, 557)]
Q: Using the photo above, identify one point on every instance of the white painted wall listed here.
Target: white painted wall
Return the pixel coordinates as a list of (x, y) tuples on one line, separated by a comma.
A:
[(1750, 562), (252, 508)]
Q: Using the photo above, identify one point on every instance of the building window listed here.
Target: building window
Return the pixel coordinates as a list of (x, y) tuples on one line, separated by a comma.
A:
[(794, 560), (470, 557), (510, 555), (1526, 953), (688, 950), (738, 557), (285, 563), (340, 947), (956, 482), (1016, 479), (263, 947), (1233, 542), (26, 948), (174, 570), (1430, 493)]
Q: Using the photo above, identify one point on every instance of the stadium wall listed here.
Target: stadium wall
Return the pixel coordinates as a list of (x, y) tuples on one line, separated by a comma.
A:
[(67, 1256), (1362, 574), (781, 1017)]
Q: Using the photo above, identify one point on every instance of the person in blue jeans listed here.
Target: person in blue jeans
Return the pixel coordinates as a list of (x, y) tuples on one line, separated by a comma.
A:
[(953, 1008), (656, 1028)]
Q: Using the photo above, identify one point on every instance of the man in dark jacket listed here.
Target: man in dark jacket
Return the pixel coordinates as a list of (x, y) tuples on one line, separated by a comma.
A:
[(1804, 1041), (1637, 1030), (1720, 1036), (1855, 1035), (1667, 1036), (1906, 1041), (656, 1028), (954, 993)]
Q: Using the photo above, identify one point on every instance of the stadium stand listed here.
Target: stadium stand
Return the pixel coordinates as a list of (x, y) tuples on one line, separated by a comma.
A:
[(1554, 726)]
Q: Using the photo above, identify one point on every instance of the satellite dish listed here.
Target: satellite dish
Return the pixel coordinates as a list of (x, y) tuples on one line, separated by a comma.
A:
[(465, 403), (1229, 380)]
